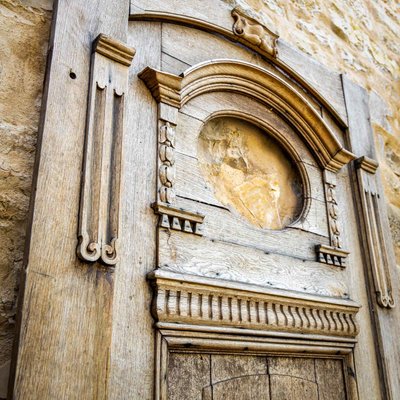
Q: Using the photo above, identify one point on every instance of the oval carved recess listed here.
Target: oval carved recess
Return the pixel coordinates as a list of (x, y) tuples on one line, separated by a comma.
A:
[(250, 172)]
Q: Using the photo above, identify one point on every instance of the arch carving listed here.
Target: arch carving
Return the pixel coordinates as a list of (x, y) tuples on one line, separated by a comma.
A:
[(265, 86)]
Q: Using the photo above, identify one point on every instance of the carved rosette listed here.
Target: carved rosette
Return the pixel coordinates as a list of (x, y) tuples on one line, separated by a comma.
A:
[(252, 31), (100, 196), (377, 252), (166, 154)]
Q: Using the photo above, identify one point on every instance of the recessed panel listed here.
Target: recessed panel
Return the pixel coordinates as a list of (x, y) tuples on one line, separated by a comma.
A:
[(250, 172)]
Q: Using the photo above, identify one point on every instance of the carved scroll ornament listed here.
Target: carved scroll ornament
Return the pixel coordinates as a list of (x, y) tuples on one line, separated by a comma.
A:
[(377, 253), (99, 210), (254, 32)]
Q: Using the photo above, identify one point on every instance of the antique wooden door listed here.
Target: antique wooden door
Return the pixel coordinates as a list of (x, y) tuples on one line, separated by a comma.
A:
[(232, 241)]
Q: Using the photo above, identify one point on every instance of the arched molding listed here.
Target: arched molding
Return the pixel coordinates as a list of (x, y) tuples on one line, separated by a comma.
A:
[(221, 18), (267, 87)]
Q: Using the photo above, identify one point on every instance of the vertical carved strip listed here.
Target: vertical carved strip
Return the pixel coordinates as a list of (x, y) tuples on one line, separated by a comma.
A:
[(376, 247), (166, 153), (332, 208), (100, 197)]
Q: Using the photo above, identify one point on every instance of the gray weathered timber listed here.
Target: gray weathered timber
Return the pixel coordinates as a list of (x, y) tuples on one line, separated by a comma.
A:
[(216, 16), (132, 350), (326, 82), (67, 305), (183, 253), (386, 324)]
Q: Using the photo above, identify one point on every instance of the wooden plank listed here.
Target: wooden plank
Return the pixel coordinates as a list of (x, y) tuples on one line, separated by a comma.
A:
[(325, 82), (292, 378), (66, 305), (182, 43), (297, 367), (330, 380), (385, 323), (225, 367), (226, 226), (254, 387), (209, 12), (289, 388), (187, 375), (365, 351), (185, 253), (361, 137), (133, 335)]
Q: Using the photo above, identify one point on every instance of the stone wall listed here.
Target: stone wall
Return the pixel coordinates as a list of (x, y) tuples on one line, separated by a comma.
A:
[(358, 37), (24, 35)]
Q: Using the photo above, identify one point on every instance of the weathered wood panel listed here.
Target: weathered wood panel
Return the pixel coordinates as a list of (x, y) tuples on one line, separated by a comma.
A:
[(133, 337), (290, 388), (182, 43), (326, 82), (385, 322), (66, 305), (184, 253), (330, 380), (292, 378), (225, 367), (254, 387), (187, 375), (223, 225)]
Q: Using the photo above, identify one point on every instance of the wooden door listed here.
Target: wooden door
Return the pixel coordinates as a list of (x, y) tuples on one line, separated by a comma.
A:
[(231, 241)]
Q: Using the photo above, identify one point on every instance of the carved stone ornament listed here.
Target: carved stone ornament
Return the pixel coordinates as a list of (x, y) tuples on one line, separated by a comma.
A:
[(377, 254), (252, 31), (100, 197)]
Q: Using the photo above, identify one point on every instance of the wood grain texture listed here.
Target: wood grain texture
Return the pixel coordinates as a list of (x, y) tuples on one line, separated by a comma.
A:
[(182, 44), (330, 379), (132, 351), (215, 16), (386, 325), (188, 374), (65, 306), (184, 253), (326, 82), (241, 377)]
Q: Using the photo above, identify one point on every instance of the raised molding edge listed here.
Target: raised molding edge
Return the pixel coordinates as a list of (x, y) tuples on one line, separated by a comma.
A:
[(371, 204), (265, 86), (179, 219), (114, 49), (182, 338), (100, 193), (188, 299), (367, 164), (331, 255), (251, 30)]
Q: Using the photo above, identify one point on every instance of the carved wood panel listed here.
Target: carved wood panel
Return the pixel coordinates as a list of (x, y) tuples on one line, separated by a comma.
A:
[(242, 377)]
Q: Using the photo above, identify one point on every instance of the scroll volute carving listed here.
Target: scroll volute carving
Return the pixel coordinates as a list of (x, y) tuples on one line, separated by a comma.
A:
[(100, 197), (371, 210), (254, 32)]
